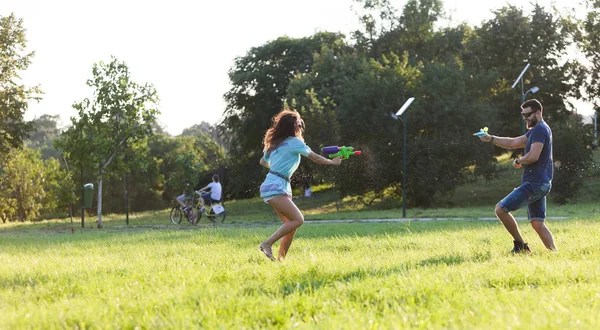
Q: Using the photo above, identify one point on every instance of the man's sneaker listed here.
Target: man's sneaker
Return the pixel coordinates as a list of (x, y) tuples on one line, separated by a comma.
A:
[(520, 247), (201, 209)]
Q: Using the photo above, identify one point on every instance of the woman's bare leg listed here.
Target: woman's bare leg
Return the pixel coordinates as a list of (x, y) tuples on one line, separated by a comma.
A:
[(286, 241), (283, 206)]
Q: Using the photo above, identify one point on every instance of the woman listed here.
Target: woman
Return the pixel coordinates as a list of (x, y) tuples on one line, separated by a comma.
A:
[(283, 145)]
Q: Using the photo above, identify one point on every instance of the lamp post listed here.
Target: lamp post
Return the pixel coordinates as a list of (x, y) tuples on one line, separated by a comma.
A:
[(595, 128), (398, 115), (533, 90)]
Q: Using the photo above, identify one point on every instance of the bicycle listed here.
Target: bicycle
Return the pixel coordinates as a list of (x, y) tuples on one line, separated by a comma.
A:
[(214, 212), (176, 215)]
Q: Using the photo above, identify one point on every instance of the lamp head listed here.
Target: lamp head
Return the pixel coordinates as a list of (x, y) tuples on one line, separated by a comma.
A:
[(405, 106)]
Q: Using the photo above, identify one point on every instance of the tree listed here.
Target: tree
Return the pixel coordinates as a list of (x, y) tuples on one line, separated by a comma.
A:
[(590, 44), (184, 160), (120, 112), (351, 95), (346, 98), (259, 83), (572, 155), (42, 137), (503, 46), (59, 187), (378, 17), (211, 131), (21, 185), (14, 97)]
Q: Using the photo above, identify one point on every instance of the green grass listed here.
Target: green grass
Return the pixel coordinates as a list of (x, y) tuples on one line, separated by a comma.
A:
[(422, 275), (472, 200), (442, 274), (255, 212)]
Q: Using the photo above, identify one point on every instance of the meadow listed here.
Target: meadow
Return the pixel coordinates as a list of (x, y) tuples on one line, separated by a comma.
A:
[(444, 274)]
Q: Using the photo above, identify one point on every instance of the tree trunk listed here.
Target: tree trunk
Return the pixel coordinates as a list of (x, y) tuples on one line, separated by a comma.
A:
[(20, 207), (337, 206), (100, 199), (126, 200), (82, 208)]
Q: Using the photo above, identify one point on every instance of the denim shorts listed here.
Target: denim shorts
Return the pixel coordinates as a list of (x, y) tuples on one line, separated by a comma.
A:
[(274, 186), (267, 199), (207, 197), (532, 194)]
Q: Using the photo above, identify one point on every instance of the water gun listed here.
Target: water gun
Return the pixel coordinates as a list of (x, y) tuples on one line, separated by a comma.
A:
[(344, 152), (481, 132)]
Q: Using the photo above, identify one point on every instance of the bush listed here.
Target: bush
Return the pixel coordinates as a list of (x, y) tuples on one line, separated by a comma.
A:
[(572, 155)]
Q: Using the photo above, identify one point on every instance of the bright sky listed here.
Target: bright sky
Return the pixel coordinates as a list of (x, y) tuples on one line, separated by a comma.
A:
[(185, 48)]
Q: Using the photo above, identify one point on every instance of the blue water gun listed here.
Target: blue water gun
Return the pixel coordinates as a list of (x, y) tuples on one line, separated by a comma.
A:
[(481, 132)]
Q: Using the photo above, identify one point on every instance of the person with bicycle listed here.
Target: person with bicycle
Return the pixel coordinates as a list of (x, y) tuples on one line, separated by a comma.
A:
[(211, 193), (184, 199), (207, 196), (283, 146)]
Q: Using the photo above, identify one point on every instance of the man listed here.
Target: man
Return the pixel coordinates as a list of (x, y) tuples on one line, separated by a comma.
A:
[(537, 176), (214, 195)]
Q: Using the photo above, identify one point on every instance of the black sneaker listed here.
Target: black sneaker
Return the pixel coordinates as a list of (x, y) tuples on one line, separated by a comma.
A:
[(520, 247)]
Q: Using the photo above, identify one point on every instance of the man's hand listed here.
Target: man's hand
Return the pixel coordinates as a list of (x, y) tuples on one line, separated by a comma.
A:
[(486, 138), (516, 163)]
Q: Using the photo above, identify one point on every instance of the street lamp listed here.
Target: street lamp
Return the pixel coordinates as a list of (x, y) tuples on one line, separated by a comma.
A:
[(595, 128), (533, 90), (398, 115)]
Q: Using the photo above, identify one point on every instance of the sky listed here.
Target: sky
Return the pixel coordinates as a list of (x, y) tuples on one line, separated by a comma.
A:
[(184, 48)]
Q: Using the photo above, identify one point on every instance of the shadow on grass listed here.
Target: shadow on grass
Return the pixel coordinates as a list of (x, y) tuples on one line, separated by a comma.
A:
[(317, 277), (456, 259)]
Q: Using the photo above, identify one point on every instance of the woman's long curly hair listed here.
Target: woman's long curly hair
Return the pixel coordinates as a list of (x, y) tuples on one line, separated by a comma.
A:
[(285, 124)]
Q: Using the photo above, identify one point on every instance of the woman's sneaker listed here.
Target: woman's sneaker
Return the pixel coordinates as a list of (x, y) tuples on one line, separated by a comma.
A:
[(520, 247)]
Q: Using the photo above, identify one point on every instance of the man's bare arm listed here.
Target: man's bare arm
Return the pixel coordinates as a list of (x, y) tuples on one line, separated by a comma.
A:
[(505, 142), (533, 155)]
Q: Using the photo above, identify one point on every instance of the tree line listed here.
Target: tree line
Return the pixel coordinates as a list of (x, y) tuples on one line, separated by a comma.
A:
[(345, 87)]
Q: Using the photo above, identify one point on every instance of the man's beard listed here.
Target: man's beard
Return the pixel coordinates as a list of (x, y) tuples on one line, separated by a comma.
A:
[(532, 122)]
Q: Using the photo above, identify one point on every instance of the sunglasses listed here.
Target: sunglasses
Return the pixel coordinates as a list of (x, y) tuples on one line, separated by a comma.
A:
[(527, 114)]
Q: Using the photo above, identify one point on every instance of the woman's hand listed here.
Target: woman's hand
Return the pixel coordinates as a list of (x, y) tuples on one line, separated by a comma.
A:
[(264, 163), (324, 161)]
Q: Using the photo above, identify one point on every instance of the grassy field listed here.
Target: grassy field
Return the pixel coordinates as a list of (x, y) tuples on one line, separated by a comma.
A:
[(443, 274), (451, 274), (472, 200)]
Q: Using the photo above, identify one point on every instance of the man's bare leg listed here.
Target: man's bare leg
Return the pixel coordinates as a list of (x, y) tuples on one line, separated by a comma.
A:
[(540, 228), (509, 223)]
